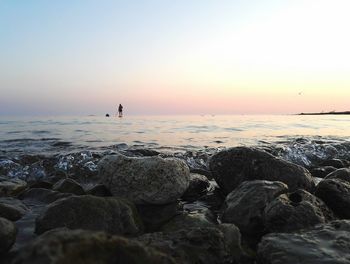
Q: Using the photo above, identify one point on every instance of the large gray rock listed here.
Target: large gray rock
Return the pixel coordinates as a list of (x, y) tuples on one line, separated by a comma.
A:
[(68, 186), (11, 187), (147, 180), (341, 174), (12, 209), (336, 194), (78, 246), (110, 214), (233, 166), (324, 244), (294, 211), (197, 245), (8, 233), (245, 205)]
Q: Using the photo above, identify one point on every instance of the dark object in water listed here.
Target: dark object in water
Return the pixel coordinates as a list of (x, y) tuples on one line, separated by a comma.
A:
[(107, 115)]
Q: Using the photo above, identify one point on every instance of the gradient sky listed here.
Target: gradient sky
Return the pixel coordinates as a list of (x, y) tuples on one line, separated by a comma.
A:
[(174, 57)]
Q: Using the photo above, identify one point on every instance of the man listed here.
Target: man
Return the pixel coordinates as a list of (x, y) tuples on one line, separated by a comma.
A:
[(120, 110)]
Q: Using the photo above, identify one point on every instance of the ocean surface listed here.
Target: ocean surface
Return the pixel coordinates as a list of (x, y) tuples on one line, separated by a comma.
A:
[(50, 134), (296, 138)]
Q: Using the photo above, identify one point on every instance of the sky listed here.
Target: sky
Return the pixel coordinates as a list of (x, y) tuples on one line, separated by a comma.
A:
[(174, 57)]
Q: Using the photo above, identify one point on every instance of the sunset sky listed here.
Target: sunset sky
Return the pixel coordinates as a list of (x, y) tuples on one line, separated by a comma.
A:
[(174, 57)]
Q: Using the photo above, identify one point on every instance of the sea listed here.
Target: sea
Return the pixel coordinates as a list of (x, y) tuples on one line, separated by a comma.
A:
[(297, 138)]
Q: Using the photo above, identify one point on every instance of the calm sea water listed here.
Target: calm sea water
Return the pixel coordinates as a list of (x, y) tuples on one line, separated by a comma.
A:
[(168, 133)]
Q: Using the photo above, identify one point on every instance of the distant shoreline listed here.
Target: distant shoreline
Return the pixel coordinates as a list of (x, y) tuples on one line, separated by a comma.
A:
[(327, 113)]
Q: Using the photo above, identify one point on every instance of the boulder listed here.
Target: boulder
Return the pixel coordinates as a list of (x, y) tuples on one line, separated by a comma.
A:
[(235, 165), (8, 233), (294, 211), (43, 195), (245, 205), (12, 209), (198, 186), (341, 174), (68, 186), (322, 172), (146, 180), (110, 214), (197, 245), (186, 221), (11, 187), (154, 216), (336, 195), (78, 246), (324, 244)]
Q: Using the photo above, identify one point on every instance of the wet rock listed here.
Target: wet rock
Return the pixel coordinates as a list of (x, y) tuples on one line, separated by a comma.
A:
[(10, 168), (154, 216), (336, 163), (78, 246), (324, 244), (112, 215), (12, 209), (341, 174), (197, 245), (198, 186), (68, 186), (245, 205), (322, 172), (233, 166), (43, 195), (8, 233), (99, 190), (214, 198), (147, 180), (295, 211), (336, 195), (11, 187)]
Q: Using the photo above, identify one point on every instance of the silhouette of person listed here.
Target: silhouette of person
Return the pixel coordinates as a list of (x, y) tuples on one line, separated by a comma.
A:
[(120, 110)]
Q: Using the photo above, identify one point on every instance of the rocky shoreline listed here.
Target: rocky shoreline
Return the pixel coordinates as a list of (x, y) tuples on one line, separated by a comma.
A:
[(236, 205)]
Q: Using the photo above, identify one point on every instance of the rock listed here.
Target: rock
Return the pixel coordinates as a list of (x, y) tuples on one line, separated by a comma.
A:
[(154, 216), (41, 184), (324, 244), (43, 195), (341, 174), (245, 205), (322, 172), (233, 166), (78, 246), (112, 215), (12, 209), (99, 190), (11, 187), (185, 221), (68, 186), (336, 163), (144, 152), (336, 195), (8, 233), (147, 180), (197, 245), (295, 211), (198, 186)]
